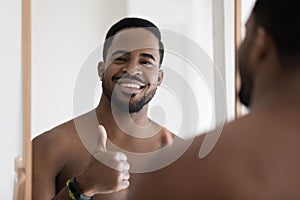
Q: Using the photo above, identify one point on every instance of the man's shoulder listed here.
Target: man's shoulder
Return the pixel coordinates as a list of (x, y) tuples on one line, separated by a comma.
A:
[(62, 136), (62, 130), (228, 142), (55, 139), (166, 135)]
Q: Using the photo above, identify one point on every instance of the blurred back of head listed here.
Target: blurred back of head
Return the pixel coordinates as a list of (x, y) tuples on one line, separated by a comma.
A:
[(281, 20)]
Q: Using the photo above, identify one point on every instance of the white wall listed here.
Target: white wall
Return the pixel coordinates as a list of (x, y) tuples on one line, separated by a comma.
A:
[(10, 87)]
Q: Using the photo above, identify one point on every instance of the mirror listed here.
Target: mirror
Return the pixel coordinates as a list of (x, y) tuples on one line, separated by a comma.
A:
[(67, 33)]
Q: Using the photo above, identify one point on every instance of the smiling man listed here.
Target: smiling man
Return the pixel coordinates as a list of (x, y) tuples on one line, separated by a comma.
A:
[(65, 159)]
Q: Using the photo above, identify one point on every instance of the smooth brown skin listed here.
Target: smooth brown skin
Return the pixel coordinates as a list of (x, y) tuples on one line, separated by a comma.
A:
[(256, 156), (59, 153)]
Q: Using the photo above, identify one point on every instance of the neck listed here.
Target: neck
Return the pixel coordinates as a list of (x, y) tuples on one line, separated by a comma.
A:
[(277, 90), (133, 132), (120, 124), (107, 112)]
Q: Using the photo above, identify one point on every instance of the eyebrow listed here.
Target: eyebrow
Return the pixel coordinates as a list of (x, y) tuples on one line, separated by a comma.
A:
[(147, 55), (123, 52)]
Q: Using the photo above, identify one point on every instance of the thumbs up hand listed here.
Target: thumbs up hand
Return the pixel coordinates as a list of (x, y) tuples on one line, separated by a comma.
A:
[(106, 172), (113, 159)]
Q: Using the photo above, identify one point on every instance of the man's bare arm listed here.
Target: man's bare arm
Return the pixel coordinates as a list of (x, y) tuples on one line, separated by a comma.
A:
[(50, 154)]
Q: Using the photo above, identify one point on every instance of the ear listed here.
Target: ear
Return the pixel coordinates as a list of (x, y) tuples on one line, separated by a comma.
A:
[(261, 46), (101, 69), (160, 77)]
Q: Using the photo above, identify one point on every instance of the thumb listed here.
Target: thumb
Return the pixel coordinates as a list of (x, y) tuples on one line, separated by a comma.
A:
[(102, 138)]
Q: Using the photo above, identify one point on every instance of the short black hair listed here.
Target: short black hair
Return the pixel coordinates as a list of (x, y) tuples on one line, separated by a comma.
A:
[(280, 18), (133, 22)]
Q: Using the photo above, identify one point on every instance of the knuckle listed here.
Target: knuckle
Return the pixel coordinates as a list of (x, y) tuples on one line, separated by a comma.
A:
[(120, 156), (123, 165)]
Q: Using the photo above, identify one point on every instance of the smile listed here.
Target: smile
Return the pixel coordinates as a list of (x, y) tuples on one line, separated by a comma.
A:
[(131, 85)]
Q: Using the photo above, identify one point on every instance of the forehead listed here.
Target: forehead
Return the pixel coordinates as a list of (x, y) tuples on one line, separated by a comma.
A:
[(132, 39)]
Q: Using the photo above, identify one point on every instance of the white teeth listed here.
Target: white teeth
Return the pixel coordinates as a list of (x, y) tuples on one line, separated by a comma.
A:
[(130, 85)]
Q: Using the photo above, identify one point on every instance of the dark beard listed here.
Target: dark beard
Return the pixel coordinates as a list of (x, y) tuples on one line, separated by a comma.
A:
[(133, 106), (128, 105), (245, 95)]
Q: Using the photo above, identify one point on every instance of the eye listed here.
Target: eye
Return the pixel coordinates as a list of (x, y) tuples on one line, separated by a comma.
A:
[(146, 63), (120, 60)]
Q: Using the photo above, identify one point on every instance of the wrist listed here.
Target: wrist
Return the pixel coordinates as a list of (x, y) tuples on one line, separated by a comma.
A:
[(75, 192), (85, 187)]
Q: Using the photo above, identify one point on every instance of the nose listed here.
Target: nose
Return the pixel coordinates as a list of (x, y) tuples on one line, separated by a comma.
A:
[(133, 68)]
